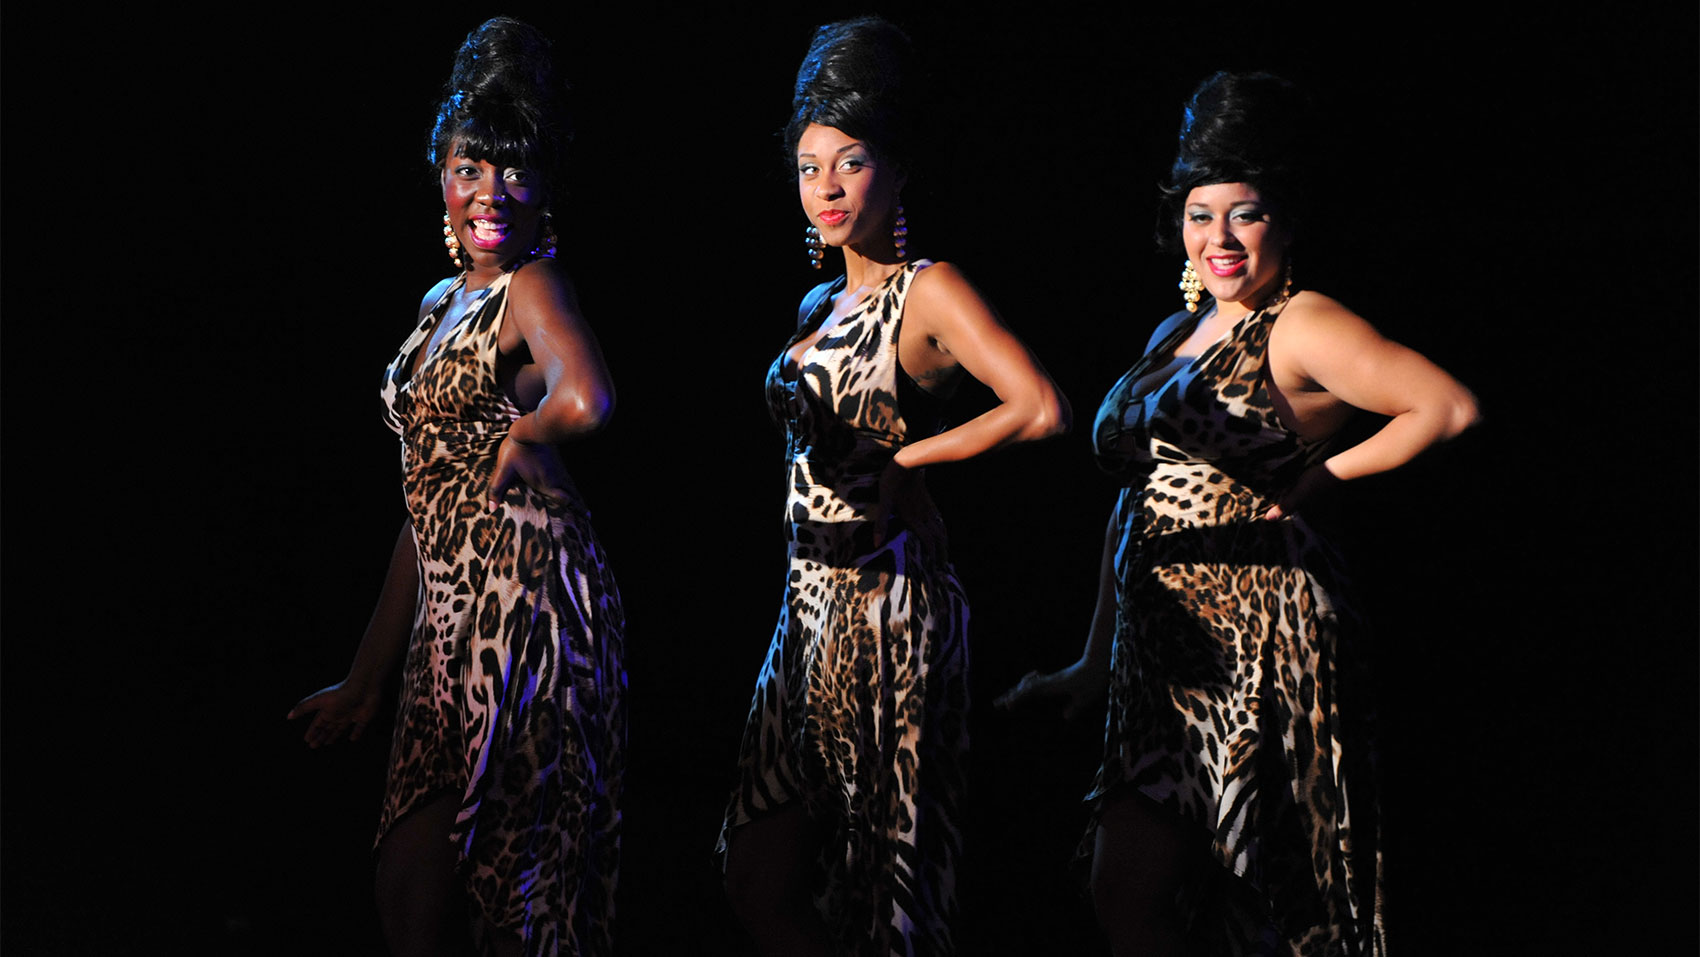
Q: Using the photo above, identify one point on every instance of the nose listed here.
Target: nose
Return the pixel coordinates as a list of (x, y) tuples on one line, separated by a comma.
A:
[(828, 187), (493, 191), (1222, 233)]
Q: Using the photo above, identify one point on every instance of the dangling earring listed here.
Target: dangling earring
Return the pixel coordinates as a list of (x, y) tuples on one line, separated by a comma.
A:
[(815, 245), (451, 241), (900, 234), (1286, 288), (1190, 286), (545, 248)]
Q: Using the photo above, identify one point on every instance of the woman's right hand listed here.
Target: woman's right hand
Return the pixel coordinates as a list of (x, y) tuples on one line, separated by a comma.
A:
[(343, 708), (1081, 686)]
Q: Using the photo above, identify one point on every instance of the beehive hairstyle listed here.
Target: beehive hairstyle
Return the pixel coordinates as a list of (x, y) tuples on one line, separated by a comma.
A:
[(503, 103), (1253, 128), (857, 78)]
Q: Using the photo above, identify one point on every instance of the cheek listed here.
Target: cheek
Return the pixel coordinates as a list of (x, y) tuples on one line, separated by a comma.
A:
[(531, 194), (1192, 241)]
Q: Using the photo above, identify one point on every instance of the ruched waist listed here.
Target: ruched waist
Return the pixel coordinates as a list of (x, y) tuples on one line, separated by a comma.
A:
[(826, 504), (435, 442)]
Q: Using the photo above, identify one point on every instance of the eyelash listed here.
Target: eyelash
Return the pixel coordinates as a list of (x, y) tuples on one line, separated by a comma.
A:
[(848, 166), (1241, 217), (519, 177)]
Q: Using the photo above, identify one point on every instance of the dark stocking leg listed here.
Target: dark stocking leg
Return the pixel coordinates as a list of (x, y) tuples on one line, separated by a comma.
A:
[(770, 868), (1142, 856), (420, 903)]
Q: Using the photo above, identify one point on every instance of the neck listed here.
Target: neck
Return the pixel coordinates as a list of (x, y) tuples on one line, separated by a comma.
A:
[(869, 267), (1262, 299)]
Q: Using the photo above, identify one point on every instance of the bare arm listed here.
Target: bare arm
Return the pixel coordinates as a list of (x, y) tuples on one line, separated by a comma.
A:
[(1323, 358), (349, 705), (392, 620), (956, 325), (577, 394), (1083, 683)]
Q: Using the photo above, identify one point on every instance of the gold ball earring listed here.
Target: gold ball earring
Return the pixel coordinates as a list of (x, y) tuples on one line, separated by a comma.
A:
[(451, 241), (900, 233), (1190, 286), (1286, 283)]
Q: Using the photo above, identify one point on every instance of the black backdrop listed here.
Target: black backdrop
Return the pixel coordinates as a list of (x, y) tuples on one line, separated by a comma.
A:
[(216, 232)]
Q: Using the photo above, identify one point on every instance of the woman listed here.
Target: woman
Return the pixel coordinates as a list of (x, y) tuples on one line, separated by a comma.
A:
[(1232, 735), (506, 761), (852, 765)]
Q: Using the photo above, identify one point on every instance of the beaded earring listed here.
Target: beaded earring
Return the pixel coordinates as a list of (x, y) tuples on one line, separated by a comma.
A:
[(1286, 284), (451, 241), (1190, 286), (900, 234), (815, 246)]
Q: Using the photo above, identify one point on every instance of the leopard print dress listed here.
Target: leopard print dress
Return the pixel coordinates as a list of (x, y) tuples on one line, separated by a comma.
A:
[(1232, 670), (860, 710), (512, 693)]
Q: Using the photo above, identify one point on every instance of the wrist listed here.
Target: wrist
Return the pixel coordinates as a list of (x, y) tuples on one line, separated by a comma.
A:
[(524, 430)]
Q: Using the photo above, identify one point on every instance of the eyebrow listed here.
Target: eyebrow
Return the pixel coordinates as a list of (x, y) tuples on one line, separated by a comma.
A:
[(848, 146)]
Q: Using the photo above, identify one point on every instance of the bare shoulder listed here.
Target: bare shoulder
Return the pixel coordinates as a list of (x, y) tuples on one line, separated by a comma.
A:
[(941, 293), (434, 295), (1315, 336), (941, 282), (1310, 311), (540, 279)]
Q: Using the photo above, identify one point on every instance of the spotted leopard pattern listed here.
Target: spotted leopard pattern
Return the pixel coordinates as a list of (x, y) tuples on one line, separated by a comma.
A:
[(512, 694), (1230, 693), (860, 710)]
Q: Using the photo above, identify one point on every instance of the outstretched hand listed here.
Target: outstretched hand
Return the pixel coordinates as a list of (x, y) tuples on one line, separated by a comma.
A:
[(534, 464), (341, 709), (1080, 686)]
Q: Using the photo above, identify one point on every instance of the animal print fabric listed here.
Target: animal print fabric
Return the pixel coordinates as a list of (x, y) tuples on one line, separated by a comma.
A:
[(860, 710), (512, 694), (1232, 670)]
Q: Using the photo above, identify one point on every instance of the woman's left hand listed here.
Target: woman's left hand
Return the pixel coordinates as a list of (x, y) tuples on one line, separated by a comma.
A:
[(904, 502), (535, 464), (1314, 481)]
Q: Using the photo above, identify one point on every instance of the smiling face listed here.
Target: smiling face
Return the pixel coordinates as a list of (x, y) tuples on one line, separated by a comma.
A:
[(495, 211), (1237, 248), (847, 192)]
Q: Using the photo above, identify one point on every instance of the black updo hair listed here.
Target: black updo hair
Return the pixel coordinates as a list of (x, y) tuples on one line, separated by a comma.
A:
[(857, 78), (503, 103), (1253, 128)]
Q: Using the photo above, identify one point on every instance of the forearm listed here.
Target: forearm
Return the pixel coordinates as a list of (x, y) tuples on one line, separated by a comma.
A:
[(387, 633), (1101, 636), (1029, 420), (1408, 435)]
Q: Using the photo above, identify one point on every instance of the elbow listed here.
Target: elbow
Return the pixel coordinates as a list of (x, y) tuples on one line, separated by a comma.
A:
[(1051, 417), (593, 415), (1462, 412), (577, 415)]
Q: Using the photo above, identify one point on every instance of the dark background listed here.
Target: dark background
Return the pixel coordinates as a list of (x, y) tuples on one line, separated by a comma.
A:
[(217, 231)]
